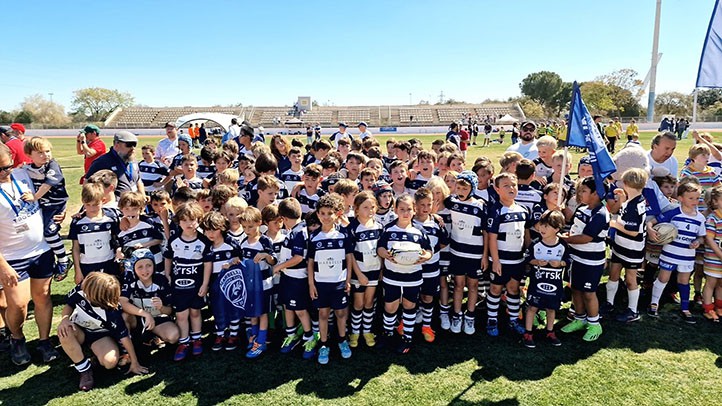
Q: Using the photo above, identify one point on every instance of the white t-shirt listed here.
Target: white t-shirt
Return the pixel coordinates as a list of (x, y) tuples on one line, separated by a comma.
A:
[(528, 151), (167, 149), (365, 135), (21, 231), (670, 164)]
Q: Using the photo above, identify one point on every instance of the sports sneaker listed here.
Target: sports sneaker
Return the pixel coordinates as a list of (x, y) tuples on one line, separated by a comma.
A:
[(628, 316), (197, 347), (653, 310), (47, 351), (61, 269), (576, 325), (353, 340), (516, 327), (404, 345), (687, 317), (469, 328), (256, 351), (445, 322), (232, 343), (674, 297), (528, 340), (456, 324), (251, 340), (309, 347), (428, 333), (323, 353), (606, 310), (553, 340), (370, 339), (492, 328), (289, 343), (19, 352), (86, 380), (181, 352), (593, 332), (218, 343), (345, 349), (711, 315)]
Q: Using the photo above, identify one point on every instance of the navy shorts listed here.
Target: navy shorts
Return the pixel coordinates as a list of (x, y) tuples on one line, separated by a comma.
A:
[(92, 336), (267, 302), (331, 295), (626, 264), (393, 293), (51, 227), (110, 267), (187, 299), (40, 267), (293, 292), (460, 266), (444, 258), (543, 300), (585, 278), (508, 272), (373, 277), (431, 286)]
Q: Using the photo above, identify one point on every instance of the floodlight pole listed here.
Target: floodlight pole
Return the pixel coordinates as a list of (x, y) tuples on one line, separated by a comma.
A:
[(653, 70)]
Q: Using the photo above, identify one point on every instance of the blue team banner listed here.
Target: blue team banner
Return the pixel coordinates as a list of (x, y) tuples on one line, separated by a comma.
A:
[(710, 63), (583, 133), (387, 129)]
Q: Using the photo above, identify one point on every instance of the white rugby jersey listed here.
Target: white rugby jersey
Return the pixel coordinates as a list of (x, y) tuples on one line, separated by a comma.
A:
[(438, 236), (365, 243), (96, 237), (411, 239), (386, 218), (510, 225), (151, 173), (542, 169), (308, 202), (291, 178), (223, 254), (594, 223), (689, 228), (142, 233), (632, 216), (469, 220), (328, 251)]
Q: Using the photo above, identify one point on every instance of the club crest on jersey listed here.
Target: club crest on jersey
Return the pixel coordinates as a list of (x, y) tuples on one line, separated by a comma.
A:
[(197, 248), (233, 288), (319, 245)]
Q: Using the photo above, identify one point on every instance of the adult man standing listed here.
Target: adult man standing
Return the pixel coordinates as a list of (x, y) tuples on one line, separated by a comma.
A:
[(233, 131), (364, 132), (12, 139), (527, 143), (341, 133), (202, 134), (662, 153), (89, 144), (26, 261), (120, 160), (168, 147)]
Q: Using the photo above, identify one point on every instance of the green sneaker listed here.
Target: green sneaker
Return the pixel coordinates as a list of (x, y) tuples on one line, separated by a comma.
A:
[(309, 347), (576, 325), (593, 332)]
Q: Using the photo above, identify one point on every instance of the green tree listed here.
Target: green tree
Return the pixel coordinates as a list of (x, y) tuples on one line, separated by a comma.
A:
[(44, 111), (625, 78), (542, 87), (676, 103), (708, 97), (531, 108), (96, 103), (6, 117), (24, 117)]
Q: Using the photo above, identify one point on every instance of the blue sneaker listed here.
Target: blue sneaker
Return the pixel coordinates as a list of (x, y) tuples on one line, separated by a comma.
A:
[(492, 328), (309, 347), (61, 269), (345, 349), (515, 326), (323, 355), (256, 351), (289, 343)]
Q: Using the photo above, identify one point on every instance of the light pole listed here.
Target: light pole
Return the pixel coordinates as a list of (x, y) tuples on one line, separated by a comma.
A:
[(51, 96), (409, 99), (653, 69)]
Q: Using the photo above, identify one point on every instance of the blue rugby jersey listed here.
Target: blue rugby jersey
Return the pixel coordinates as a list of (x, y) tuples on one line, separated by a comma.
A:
[(633, 216), (468, 221), (364, 241), (188, 261), (593, 223), (51, 175), (296, 243), (95, 319)]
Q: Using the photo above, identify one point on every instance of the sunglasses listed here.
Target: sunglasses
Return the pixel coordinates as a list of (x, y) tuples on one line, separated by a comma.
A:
[(6, 168), (528, 128), (130, 144)]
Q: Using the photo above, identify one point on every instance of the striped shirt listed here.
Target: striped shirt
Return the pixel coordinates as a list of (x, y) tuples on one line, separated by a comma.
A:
[(308, 202), (204, 171), (509, 225), (438, 236), (364, 240), (712, 262), (96, 237), (409, 238), (142, 233), (295, 244), (49, 174), (264, 245), (593, 223), (141, 296), (689, 228), (632, 216), (291, 178), (707, 178), (542, 169), (188, 259), (528, 197), (468, 220), (151, 173), (223, 254)]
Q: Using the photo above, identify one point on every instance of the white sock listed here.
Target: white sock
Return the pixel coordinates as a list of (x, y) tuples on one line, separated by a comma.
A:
[(633, 296), (612, 287), (657, 290)]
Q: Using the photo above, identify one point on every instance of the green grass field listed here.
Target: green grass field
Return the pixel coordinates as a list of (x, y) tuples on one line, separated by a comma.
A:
[(650, 362)]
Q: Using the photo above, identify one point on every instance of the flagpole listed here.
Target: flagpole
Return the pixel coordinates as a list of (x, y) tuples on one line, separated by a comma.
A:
[(694, 109), (566, 148)]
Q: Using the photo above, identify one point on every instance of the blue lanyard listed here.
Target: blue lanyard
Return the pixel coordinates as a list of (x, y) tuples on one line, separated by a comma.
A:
[(12, 204)]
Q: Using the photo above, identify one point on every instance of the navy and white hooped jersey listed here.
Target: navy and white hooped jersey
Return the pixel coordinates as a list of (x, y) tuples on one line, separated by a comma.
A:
[(386, 218), (406, 239), (632, 216), (510, 225), (689, 228), (140, 295), (142, 233), (151, 173), (204, 171), (277, 242), (97, 238), (546, 280), (308, 202), (445, 215), (176, 161), (388, 161), (482, 195), (188, 261), (237, 237), (593, 223), (195, 183), (264, 245), (438, 236), (417, 183), (291, 178), (224, 254), (295, 244), (49, 174), (542, 169), (328, 251), (95, 319), (528, 197), (364, 240), (468, 221)]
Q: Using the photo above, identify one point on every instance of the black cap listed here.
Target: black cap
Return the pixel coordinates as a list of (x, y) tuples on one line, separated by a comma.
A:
[(5, 129)]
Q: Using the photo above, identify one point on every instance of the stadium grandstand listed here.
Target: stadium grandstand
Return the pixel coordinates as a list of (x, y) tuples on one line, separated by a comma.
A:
[(270, 116)]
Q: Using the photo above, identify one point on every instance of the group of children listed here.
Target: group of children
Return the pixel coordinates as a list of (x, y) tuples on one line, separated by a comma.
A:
[(310, 243)]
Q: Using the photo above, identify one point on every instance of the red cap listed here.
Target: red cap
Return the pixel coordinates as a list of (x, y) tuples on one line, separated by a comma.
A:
[(18, 127)]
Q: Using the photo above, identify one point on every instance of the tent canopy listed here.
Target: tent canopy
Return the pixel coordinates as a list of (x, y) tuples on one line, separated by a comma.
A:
[(221, 118), (507, 119)]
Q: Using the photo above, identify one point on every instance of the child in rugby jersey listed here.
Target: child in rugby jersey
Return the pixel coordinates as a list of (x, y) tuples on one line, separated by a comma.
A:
[(456, 162), (587, 243), (189, 177), (425, 162), (348, 190), (274, 230), (543, 164), (508, 235), (402, 282), (267, 190), (145, 299), (484, 171), (109, 181), (367, 178), (440, 192), (162, 213), (50, 193), (206, 168), (92, 316), (94, 235), (224, 253), (628, 242), (152, 171), (258, 248), (399, 178), (467, 242), (329, 254), (385, 203), (713, 257), (548, 258), (353, 165), (139, 233), (232, 210), (222, 161), (293, 176), (438, 239), (527, 196), (679, 255), (308, 193), (189, 269), (364, 232)]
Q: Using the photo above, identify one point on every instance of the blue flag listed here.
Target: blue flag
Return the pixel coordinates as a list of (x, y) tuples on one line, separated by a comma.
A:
[(710, 63), (583, 133)]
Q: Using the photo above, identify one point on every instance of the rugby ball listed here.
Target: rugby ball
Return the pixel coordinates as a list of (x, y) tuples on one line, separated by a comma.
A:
[(667, 233), (405, 257)]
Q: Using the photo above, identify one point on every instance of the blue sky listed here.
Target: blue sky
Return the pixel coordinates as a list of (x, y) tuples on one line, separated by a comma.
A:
[(176, 53)]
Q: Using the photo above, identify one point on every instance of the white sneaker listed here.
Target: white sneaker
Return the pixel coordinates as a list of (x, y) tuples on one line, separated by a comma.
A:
[(445, 322), (456, 325), (469, 325)]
